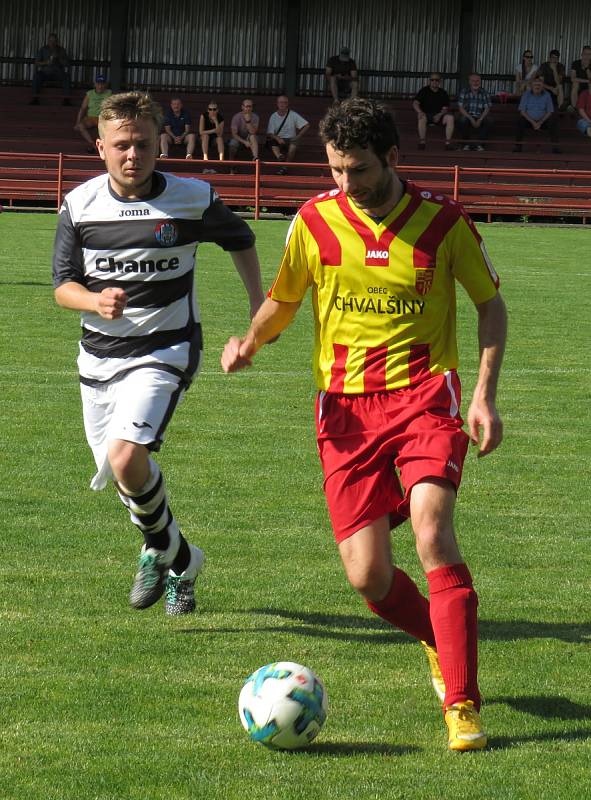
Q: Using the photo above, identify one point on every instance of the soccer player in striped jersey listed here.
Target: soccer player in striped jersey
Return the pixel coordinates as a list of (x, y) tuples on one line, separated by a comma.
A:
[(124, 257), (382, 257)]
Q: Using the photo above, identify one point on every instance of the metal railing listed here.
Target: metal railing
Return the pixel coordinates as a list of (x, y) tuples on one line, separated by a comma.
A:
[(48, 177)]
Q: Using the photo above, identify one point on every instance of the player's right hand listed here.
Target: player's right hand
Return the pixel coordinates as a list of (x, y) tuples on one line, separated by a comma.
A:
[(235, 355), (111, 302)]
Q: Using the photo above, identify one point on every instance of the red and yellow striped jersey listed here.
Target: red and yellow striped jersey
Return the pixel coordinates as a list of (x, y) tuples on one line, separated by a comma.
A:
[(383, 291)]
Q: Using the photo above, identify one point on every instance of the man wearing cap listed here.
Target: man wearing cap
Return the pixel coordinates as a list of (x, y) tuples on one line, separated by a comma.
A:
[(341, 74), (87, 119)]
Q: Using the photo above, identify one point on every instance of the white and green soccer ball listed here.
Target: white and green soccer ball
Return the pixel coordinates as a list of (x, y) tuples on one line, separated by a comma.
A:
[(283, 705)]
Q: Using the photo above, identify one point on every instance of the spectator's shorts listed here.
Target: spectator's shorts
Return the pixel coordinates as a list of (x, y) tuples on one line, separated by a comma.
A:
[(431, 119), (282, 147)]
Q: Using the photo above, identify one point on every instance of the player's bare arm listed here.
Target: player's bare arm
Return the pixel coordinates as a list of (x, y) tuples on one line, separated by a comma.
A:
[(248, 267), (271, 319), (484, 423), (109, 303)]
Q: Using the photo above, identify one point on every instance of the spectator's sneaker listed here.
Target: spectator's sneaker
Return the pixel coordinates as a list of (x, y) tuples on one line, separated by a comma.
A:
[(450, 146), (148, 586), (282, 171), (464, 727), (480, 148), (180, 589), (162, 155), (436, 676), (189, 156), (466, 147), (421, 145)]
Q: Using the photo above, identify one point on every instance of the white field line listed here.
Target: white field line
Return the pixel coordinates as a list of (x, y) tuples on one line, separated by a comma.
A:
[(18, 370)]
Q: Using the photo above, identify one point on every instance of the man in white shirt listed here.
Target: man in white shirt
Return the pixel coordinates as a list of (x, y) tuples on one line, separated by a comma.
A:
[(285, 129)]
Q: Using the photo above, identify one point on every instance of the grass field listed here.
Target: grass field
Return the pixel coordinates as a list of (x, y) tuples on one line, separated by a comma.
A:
[(98, 702)]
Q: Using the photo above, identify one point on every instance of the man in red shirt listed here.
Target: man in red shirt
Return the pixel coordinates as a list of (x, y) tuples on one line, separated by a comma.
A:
[(382, 258)]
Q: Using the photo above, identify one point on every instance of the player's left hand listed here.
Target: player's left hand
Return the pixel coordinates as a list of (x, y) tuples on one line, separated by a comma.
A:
[(484, 418)]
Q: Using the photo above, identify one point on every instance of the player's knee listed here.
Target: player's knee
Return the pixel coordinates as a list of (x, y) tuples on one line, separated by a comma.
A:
[(436, 543), (128, 462), (372, 579)]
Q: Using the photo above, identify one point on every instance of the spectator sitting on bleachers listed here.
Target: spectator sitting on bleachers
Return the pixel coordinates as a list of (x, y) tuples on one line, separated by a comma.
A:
[(431, 104), (474, 104), (284, 130), (580, 75), (211, 126), (525, 72), (584, 109), (51, 64), (341, 74), (177, 129), (244, 127), (87, 119), (552, 72), (536, 111)]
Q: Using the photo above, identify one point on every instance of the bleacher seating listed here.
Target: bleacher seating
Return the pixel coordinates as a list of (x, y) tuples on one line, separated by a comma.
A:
[(48, 129)]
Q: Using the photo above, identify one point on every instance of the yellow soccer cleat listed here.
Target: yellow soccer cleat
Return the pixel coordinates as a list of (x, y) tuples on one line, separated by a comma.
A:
[(436, 676), (464, 727)]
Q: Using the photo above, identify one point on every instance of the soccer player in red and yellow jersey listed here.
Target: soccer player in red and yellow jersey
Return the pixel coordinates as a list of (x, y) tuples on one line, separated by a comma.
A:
[(382, 258)]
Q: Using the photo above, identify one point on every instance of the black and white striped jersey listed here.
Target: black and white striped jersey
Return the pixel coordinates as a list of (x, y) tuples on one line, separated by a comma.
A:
[(147, 247)]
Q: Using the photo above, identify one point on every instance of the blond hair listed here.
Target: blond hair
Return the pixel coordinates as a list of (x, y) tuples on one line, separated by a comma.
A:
[(128, 106)]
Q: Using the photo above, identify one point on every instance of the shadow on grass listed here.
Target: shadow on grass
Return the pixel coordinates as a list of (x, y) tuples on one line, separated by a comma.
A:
[(545, 706), (26, 283), (505, 742), (346, 749), (341, 626)]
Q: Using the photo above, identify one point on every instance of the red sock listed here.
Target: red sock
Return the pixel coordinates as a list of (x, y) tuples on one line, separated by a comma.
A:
[(406, 608), (454, 606)]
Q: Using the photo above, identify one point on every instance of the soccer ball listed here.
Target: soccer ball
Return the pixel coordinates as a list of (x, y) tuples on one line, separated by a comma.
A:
[(283, 705)]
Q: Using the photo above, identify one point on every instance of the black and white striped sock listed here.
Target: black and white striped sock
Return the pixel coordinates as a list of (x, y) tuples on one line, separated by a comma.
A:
[(150, 512)]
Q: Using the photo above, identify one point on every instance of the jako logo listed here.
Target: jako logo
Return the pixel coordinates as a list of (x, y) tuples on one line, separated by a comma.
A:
[(135, 212), (377, 254), (149, 265)]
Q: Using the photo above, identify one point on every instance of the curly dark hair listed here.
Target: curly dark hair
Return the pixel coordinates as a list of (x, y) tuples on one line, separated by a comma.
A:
[(360, 123)]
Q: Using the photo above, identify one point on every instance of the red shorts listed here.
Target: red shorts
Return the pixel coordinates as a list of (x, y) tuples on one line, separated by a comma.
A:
[(366, 441)]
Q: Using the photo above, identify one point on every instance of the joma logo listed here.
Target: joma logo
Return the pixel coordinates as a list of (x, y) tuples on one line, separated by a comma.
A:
[(134, 212)]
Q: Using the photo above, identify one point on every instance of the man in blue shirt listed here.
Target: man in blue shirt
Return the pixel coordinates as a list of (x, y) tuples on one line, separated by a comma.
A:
[(536, 112), (51, 64), (177, 129)]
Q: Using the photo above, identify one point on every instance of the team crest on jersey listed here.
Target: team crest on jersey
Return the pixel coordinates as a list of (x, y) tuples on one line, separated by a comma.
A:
[(424, 280), (166, 233)]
